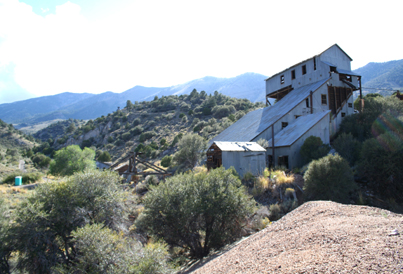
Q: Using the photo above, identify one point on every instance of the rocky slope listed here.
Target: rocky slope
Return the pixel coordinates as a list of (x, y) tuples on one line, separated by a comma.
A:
[(319, 237)]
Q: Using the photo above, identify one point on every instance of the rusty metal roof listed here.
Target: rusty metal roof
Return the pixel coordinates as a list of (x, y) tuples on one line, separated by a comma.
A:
[(239, 146), (255, 122), (294, 131)]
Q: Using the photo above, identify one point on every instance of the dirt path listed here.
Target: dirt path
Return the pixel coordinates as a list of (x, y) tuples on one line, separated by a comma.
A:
[(320, 237)]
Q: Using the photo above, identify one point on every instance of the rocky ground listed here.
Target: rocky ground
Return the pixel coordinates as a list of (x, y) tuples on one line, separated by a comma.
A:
[(319, 237)]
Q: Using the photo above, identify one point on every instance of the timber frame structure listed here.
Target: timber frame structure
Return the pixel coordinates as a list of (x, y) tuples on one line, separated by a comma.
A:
[(132, 167)]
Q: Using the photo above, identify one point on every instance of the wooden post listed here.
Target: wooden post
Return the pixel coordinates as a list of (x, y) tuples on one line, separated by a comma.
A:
[(311, 102), (272, 145)]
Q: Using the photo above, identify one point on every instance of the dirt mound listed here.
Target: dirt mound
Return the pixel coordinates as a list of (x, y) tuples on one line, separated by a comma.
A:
[(320, 237)]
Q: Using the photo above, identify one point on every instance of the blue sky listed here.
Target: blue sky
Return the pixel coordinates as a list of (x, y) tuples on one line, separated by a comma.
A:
[(49, 47)]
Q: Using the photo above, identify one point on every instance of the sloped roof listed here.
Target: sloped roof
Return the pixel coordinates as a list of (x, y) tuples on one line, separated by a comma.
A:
[(239, 146), (294, 131), (255, 122)]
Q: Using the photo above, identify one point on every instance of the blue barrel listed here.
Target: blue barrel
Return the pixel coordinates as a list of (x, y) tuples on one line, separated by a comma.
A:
[(18, 181)]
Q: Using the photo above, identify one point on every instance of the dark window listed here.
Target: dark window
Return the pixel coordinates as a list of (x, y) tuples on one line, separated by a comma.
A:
[(314, 63), (324, 99), (283, 161), (282, 79), (297, 116), (343, 114), (270, 160), (350, 105), (284, 124), (303, 69), (332, 69), (293, 74), (307, 102)]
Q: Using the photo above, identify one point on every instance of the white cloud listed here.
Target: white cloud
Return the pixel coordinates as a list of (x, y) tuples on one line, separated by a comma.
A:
[(163, 43)]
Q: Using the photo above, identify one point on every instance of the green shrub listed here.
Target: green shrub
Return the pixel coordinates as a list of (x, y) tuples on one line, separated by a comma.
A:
[(166, 161), (223, 111), (136, 130), (46, 219), (136, 122), (182, 115), (41, 160), (380, 164), (110, 139), (104, 157), (213, 207), (329, 178), (27, 178), (147, 135), (72, 159), (348, 147), (126, 136), (313, 149), (190, 151)]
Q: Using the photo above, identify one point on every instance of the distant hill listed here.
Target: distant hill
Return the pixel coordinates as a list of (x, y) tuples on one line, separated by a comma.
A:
[(250, 86), (376, 77)]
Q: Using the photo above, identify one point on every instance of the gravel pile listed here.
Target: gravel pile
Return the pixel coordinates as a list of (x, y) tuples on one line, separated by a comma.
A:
[(320, 237)]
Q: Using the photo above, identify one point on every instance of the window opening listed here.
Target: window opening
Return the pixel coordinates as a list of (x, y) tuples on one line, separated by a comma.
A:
[(307, 102), (293, 74), (270, 160), (332, 69), (283, 125), (324, 99), (282, 79), (350, 105), (314, 63), (343, 114), (303, 69), (297, 116)]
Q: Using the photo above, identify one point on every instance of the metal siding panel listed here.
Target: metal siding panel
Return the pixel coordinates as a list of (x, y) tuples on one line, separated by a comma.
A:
[(255, 122)]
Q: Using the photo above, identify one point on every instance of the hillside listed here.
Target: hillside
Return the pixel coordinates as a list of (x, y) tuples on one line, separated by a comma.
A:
[(14, 146), (89, 106), (319, 237), (388, 75), (153, 127)]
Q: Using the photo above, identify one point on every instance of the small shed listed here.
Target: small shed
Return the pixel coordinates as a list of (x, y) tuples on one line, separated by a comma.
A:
[(243, 156)]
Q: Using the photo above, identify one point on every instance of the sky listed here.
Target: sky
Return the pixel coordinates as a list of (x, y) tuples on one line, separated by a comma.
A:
[(53, 46)]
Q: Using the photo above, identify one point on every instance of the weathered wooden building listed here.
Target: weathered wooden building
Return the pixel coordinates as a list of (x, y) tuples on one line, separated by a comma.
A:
[(320, 88), (243, 156)]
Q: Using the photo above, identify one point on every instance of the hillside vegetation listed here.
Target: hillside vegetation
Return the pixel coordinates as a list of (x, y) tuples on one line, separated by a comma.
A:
[(388, 75), (153, 127), (14, 146)]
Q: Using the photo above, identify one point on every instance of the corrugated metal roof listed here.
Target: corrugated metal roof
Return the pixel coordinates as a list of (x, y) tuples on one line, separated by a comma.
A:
[(239, 146), (294, 131), (255, 122)]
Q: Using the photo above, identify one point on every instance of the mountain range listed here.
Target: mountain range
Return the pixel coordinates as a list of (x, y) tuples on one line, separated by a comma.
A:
[(383, 78), (90, 106)]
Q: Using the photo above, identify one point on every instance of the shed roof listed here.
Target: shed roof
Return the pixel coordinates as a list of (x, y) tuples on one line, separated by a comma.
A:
[(239, 146), (255, 122), (294, 131)]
